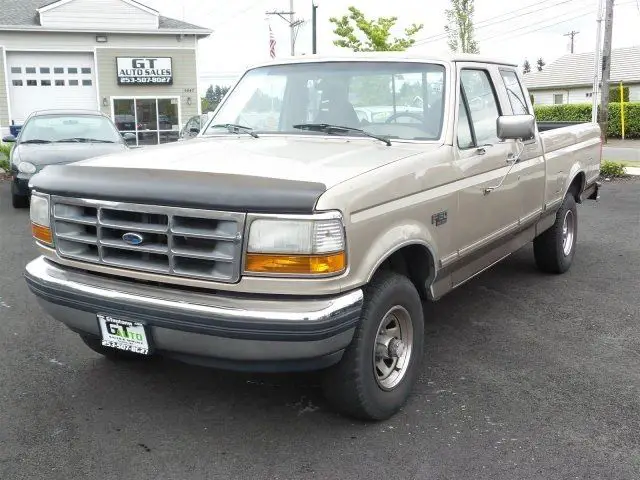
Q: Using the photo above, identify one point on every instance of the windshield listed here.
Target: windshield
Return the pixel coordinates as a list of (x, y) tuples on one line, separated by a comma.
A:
[(400, 100), (71, 128)]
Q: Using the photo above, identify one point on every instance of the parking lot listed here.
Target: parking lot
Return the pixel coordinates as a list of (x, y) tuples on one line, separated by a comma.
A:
[(525, 376)]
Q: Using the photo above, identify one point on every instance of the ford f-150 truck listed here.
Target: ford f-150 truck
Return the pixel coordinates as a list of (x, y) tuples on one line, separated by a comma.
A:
[(293, 234)]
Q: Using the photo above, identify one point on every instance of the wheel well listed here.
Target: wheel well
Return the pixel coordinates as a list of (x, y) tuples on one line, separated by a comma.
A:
[(416, 263), (577, 186)]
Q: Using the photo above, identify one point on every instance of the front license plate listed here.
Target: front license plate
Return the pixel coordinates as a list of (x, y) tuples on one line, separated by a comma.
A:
[(123, 335)]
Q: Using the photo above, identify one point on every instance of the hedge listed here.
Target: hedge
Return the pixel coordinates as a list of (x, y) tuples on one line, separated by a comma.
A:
[(614, 94), (582, 113)]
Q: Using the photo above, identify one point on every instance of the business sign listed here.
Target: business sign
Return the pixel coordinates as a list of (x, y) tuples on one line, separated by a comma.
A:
[(144, 71)]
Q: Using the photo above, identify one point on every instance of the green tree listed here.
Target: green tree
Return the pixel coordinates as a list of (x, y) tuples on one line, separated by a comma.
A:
[(526, 68), (459, 27), (213, 97), (210, 95), (359, 34), (540, 64)]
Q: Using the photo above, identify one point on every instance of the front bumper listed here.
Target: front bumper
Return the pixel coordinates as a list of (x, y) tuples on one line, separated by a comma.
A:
[(236, 332)]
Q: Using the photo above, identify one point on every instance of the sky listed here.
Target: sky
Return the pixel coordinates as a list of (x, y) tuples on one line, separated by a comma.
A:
[(514, 30)]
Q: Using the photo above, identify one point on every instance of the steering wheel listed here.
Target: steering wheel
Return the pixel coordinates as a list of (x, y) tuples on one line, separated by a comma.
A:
[(395, 116)]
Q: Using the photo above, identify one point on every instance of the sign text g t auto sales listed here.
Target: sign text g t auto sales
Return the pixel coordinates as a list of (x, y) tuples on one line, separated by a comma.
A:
[(144, 71)]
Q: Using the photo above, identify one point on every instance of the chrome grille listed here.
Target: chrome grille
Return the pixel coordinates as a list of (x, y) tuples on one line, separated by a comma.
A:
[(176, 241)]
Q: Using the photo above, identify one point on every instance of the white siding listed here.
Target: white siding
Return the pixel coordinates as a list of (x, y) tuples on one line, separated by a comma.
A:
[(574, 95), (87, 41), (579, 95), (107, 14), (542, 97), (634, 93)]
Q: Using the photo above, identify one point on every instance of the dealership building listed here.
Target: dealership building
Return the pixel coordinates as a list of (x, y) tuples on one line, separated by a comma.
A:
[(117, 56)]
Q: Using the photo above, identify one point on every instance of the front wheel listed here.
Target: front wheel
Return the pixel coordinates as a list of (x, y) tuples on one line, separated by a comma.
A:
[(555, 248), (19, 201), (379, 368)]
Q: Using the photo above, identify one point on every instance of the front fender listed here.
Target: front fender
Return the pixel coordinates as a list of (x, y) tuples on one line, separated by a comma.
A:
[(392, 239)]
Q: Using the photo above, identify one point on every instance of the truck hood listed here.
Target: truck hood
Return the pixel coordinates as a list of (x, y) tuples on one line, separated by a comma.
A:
[(261, 175), (327, 161)]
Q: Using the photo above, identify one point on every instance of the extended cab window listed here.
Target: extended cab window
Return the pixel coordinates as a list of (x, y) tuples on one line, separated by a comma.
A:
[(482, 103), (514, 90)]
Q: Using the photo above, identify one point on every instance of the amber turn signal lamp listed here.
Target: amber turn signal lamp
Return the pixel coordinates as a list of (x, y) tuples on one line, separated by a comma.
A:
[(295, 264), (42, 234)]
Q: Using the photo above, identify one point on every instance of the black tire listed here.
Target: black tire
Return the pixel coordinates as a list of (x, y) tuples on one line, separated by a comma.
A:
[(352, 386), (19, 201), (548, 248), (112, 354)]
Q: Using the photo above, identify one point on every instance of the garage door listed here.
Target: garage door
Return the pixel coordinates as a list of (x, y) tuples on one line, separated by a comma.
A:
[(40, 81)]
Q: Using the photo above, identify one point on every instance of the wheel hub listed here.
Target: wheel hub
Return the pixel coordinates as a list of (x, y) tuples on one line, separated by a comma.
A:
[(568, 233), (392, 351)]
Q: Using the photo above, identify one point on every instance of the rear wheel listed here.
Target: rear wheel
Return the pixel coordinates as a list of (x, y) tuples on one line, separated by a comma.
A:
[(379, 368), (555, 248), (113, 354)]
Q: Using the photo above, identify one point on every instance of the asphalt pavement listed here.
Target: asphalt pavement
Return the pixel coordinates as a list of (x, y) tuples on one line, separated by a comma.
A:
[(526, 376)]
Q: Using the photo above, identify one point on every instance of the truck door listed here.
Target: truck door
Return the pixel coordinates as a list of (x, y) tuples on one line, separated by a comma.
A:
[(483, 216), (531, 164)]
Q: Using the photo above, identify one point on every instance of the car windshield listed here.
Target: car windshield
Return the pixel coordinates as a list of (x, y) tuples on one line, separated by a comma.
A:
[(69, 128), (398, 100)]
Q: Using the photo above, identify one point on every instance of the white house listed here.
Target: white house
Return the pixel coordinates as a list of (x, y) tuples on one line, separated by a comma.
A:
[(117, 56), (570, 78)]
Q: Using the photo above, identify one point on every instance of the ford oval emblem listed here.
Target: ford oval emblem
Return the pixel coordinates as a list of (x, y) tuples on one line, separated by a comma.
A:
[(133, 238)]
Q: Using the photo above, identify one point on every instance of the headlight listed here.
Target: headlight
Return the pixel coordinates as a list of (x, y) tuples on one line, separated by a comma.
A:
[(40, 218), (26, 167), (296, 246)]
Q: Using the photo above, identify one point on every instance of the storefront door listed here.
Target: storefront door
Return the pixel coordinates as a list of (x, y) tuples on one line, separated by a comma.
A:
[(152, 120)]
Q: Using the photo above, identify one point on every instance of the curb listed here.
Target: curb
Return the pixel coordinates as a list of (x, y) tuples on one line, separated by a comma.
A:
[(632, 170)]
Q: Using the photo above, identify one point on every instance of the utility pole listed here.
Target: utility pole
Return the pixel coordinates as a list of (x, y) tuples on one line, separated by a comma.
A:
[(571, 34), (314, 27), (596, 68), (606, 69), (293, 24)]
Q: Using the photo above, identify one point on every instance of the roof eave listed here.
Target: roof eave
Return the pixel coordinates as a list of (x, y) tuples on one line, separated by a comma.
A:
[(202, 32)]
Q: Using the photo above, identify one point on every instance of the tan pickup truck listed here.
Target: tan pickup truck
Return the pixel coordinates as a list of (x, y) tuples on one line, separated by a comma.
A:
[(294, 234)]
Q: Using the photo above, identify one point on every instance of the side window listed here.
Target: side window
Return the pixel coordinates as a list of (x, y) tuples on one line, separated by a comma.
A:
[(465, 138), (483, 105), (514, 90)]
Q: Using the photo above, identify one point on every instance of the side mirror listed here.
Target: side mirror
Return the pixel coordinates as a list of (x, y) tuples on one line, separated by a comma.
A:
[(129, 137), (194, 130), (516, 127), (9, 139)]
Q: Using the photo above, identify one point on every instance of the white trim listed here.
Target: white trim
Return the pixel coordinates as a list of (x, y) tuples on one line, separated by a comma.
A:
[(115, 47), (95, 70), (159, 31), (133, 3), (197, 79), (6, 84), (52, 50)]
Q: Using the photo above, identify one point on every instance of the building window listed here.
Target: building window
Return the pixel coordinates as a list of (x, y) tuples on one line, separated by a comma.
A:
[(45, 83), (59, 83), (30, 70), (16, 70), (86, 83), (58, 70), (73, 83), (17, 83), (72, 70), (86, 71), (32, 83), (45, 70), (558, 99)]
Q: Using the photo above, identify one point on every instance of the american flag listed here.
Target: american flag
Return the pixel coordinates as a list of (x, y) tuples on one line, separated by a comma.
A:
[(272, 43)]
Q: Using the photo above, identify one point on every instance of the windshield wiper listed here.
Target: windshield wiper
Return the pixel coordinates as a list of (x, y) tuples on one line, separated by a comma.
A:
[(235, 128), (83, 140), (325, 127), (36, 140)]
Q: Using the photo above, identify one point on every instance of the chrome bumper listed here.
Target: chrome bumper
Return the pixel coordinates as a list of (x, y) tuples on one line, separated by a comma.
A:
[(205, 326)]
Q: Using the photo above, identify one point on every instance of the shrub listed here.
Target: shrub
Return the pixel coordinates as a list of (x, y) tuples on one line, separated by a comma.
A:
[(5, 151), (612, 169), (582, 113), (4, 165), (614, 94)]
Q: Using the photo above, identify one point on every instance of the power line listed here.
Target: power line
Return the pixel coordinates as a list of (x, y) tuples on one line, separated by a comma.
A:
[(571, 34), (497, 19)]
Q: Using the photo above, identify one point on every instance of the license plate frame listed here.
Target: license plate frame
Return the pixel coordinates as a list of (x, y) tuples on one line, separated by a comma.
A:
[(128, 335)]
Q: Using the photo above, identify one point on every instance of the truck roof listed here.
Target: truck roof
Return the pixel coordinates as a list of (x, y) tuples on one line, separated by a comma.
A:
[(388, 57)]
